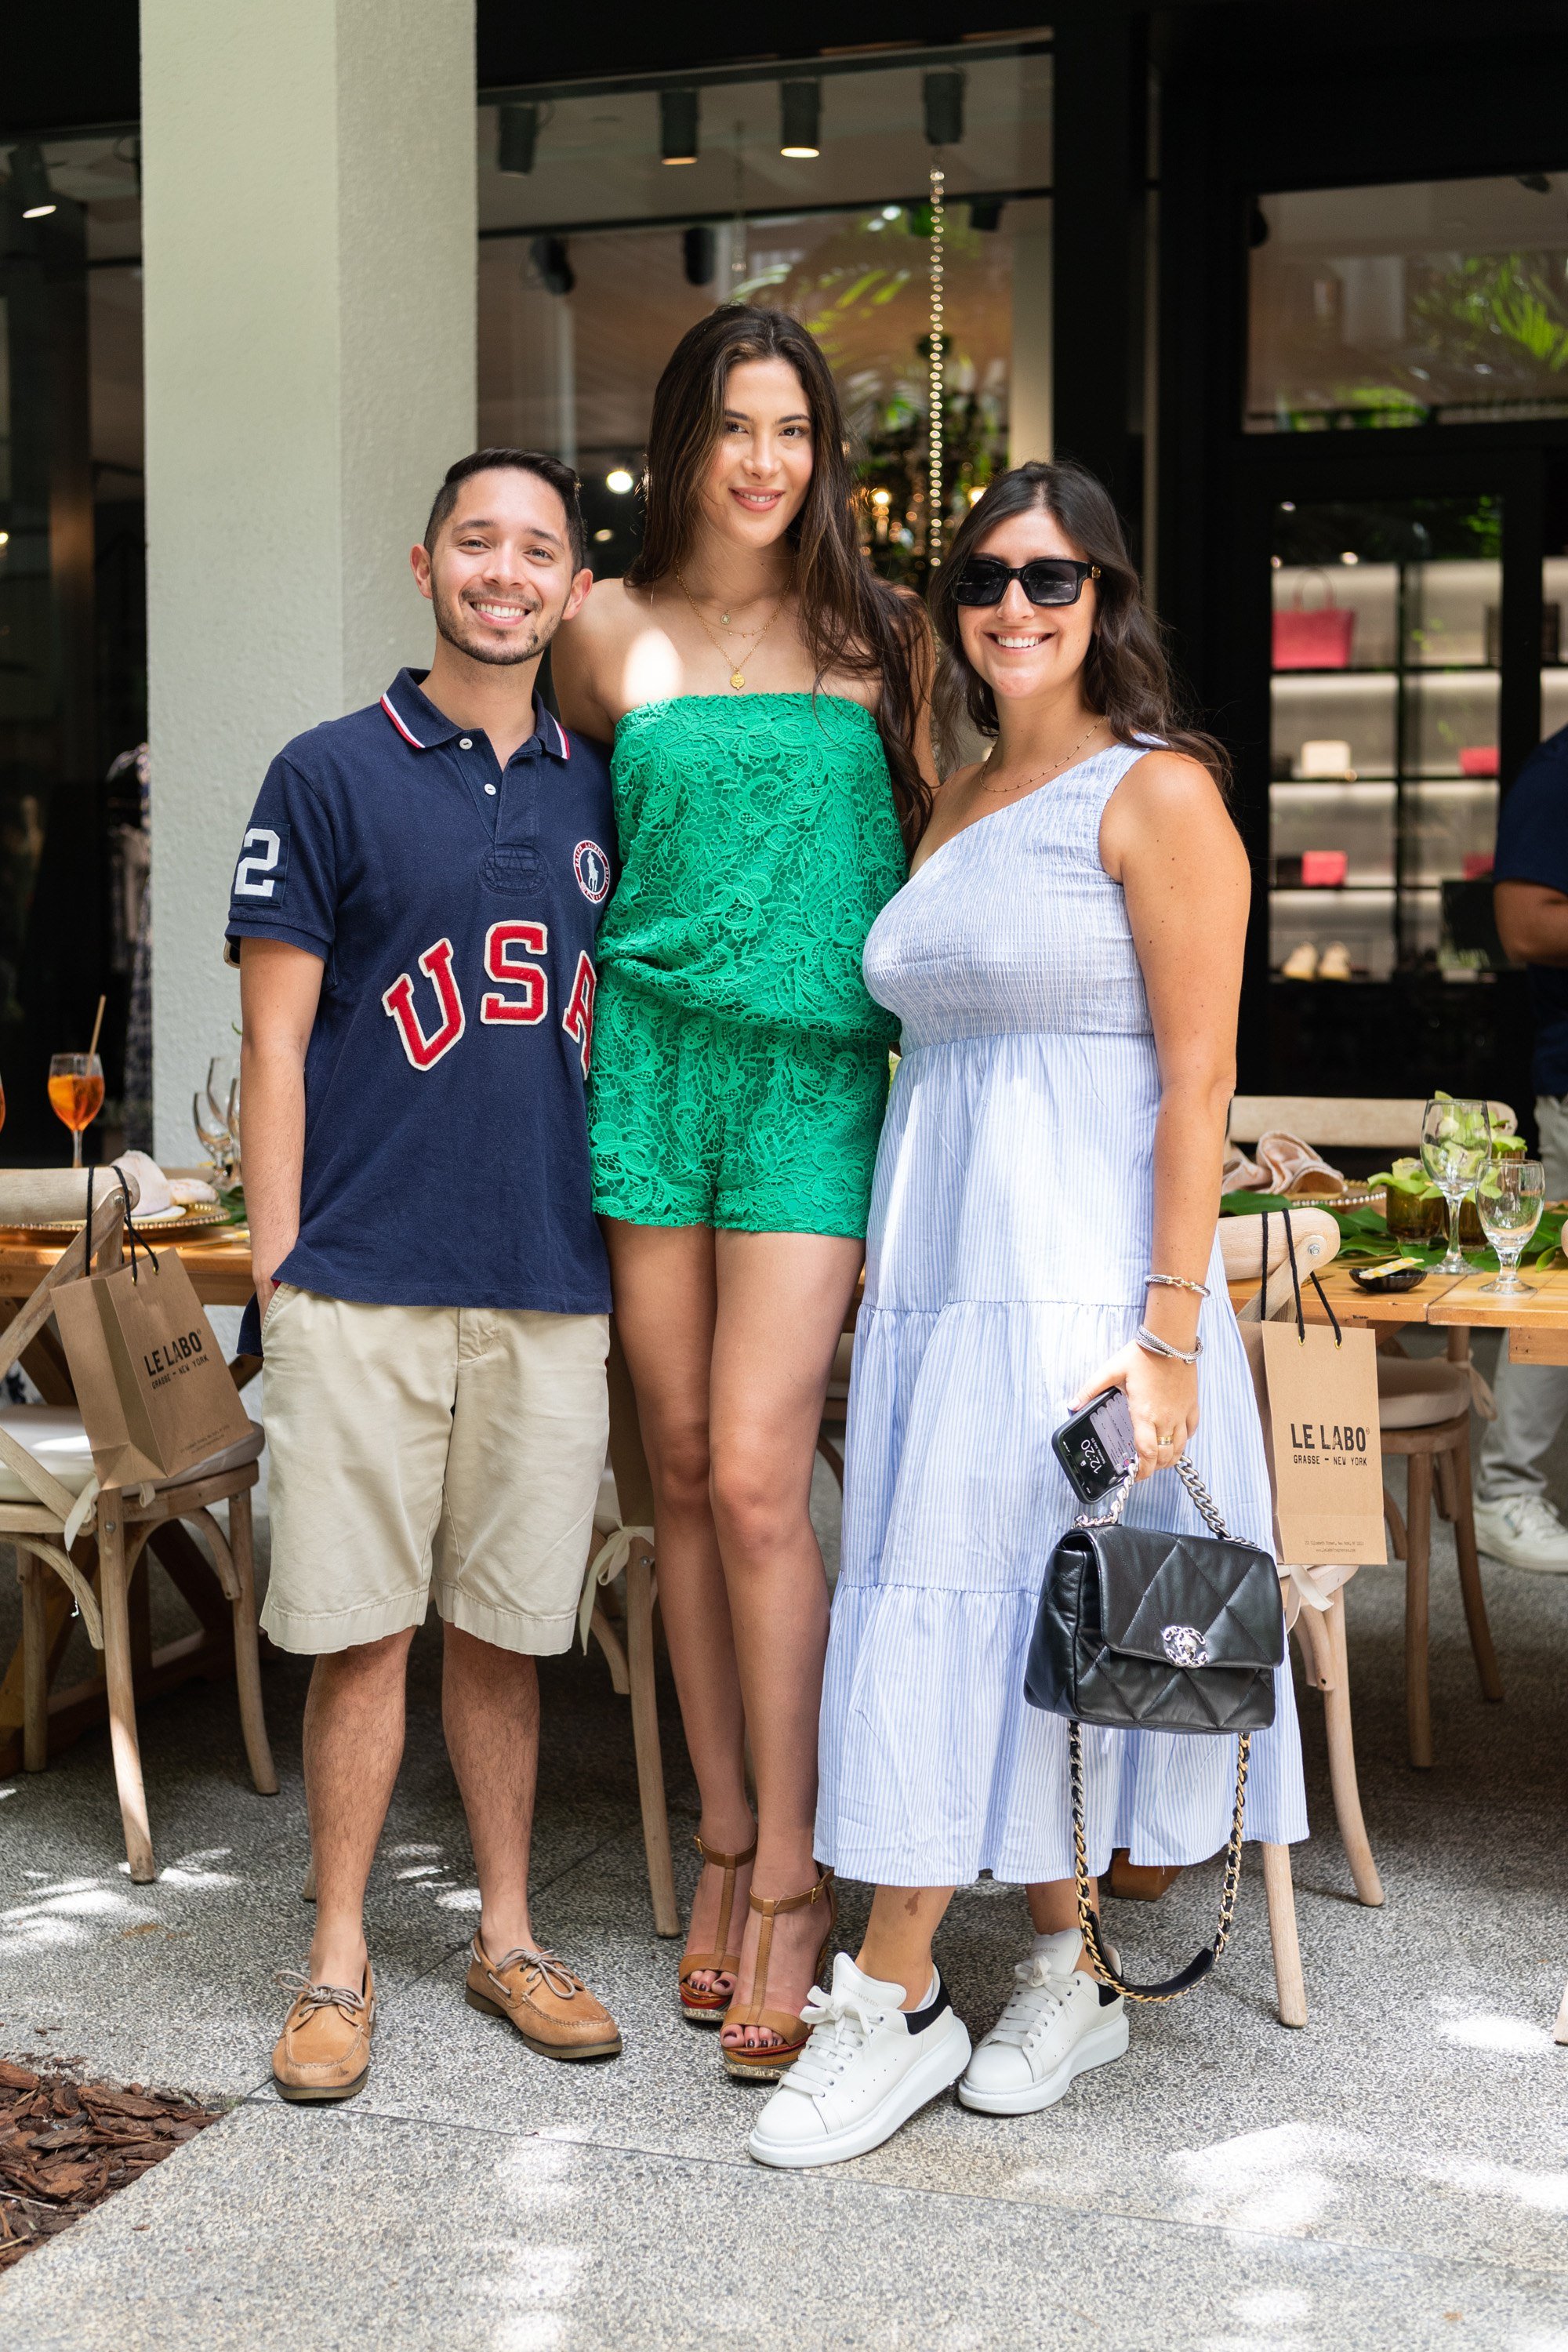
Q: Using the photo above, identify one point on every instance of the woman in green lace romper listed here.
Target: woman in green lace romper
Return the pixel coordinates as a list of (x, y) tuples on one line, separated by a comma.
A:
[(767, 696)]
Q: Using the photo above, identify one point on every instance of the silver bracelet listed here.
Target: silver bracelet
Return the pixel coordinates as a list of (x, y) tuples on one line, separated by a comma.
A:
[(1153, 1345), (1175, 1282)]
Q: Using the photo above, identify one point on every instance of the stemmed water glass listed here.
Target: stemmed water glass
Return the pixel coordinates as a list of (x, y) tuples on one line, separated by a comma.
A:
[(1456, 1150), (214, 1112), (1508, 1202)]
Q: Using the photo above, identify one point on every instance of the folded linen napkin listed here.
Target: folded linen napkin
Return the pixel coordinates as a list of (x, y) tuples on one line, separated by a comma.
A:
[(160, 1193), (1284, 1164)]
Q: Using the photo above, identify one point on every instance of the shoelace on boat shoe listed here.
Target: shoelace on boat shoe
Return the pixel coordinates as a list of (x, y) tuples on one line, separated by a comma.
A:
[(538, 1968), (318, 1996), (849, 2020)]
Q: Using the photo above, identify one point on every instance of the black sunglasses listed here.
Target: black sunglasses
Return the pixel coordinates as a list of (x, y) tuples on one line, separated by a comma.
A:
[(1049, 580)]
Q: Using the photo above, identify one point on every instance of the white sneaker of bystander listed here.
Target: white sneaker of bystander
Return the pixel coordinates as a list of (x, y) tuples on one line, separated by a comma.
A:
[(1523, 1531)]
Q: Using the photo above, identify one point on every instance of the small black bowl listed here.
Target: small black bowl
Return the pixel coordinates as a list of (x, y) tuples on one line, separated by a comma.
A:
[(1379, 1284)]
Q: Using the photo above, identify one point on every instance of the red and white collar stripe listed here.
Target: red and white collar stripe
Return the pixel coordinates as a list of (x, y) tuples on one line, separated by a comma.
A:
[(556, 740), (407, 733)]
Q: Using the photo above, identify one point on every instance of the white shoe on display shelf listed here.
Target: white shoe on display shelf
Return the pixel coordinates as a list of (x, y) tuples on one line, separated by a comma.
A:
[(1058, 2023), (869, 2066)]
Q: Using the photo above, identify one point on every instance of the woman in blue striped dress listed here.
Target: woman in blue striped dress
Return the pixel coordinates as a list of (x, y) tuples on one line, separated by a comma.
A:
[(1066, 962)]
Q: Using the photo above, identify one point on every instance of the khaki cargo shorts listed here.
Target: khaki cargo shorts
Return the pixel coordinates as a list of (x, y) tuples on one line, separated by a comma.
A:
[(457, 1445)]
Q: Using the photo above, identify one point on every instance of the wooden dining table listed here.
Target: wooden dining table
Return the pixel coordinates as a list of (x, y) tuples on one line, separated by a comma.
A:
[(1454, 1303), (217, 1260)]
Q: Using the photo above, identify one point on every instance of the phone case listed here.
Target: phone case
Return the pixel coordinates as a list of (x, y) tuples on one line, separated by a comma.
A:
[(1096, 1446)]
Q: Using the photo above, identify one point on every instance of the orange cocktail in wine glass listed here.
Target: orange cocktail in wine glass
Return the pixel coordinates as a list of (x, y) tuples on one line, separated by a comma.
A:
[(75, 1094)]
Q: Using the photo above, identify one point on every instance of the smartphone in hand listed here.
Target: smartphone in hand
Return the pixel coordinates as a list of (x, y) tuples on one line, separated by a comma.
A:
[(1095, 1447)]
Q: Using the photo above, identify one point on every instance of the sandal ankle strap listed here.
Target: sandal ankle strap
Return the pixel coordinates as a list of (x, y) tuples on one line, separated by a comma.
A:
[(725, 1861), (770, 1906)]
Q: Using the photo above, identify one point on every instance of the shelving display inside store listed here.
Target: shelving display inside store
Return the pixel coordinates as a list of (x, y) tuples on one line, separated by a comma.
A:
[(1384, 739)]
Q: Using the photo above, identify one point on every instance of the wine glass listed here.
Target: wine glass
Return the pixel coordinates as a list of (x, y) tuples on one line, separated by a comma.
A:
[(75, 1094), (1508, 1202), (1456, 1150), (215, 1113)]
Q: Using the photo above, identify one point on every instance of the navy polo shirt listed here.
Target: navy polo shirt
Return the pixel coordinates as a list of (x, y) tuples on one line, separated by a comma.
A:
[(454, 906), (1532, 846)]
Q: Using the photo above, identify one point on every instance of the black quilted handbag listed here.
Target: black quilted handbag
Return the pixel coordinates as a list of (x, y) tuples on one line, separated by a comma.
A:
[(1141, 1630)]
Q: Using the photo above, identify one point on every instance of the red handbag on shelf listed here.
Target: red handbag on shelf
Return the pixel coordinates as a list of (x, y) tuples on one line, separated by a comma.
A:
[(1318, 638)]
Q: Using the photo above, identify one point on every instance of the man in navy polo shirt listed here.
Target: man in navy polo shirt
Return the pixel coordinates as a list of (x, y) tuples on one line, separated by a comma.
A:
[(414, 910), (1514, 1520)]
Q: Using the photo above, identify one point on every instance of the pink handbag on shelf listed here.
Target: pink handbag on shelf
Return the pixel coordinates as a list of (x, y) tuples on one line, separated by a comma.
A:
[(1319, 638)]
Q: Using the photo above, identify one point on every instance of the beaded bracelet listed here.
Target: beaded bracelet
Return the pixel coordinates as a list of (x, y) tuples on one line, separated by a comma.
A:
[(1153, 1345), (1175, 1282)]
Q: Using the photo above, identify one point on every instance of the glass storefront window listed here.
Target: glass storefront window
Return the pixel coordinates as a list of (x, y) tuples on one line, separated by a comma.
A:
[(73, 840), (596, 257), (1430, 301), (1384, 732)]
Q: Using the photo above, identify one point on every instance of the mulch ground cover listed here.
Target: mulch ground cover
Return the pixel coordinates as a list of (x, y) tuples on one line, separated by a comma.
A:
[(66, 2144)]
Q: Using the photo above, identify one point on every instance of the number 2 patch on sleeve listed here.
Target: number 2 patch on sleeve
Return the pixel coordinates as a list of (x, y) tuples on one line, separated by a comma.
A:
[(263, 868)]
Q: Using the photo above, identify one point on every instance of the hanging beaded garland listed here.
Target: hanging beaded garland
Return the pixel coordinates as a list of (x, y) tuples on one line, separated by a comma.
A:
[(934, 499)]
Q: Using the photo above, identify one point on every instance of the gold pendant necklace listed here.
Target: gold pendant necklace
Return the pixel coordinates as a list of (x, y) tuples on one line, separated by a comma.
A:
[(737, 674)]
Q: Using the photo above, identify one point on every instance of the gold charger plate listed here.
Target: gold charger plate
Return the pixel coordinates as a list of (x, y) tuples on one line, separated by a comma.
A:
[(167, 1226), (1354, 1196)]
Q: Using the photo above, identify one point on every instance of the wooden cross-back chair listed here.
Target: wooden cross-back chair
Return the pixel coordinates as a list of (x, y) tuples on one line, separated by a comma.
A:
[(76, 1549)]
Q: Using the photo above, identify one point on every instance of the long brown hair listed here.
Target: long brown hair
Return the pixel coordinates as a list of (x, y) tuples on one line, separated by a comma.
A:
[(1127, 673), (850, 619)]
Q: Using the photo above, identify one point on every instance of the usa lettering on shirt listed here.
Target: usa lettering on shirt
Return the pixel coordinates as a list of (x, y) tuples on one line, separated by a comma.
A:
[(512, 959)]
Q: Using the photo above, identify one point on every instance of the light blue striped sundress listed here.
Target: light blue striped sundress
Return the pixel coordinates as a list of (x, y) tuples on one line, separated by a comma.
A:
[(1009, 1241)]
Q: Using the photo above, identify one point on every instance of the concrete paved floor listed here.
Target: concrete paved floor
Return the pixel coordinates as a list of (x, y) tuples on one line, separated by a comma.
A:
[(1397, 2175)]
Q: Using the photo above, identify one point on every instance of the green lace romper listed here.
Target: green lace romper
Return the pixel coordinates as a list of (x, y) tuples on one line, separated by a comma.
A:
[(740, 1069)]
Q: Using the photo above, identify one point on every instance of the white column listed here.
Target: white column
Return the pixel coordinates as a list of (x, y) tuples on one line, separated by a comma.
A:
[(308, 223)]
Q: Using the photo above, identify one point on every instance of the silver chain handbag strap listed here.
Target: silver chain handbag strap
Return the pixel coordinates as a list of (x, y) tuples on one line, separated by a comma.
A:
[(1088, 1920), (1203, 1501)]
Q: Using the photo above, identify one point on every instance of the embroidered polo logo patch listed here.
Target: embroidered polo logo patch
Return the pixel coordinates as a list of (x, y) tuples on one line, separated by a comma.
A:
[(592, 868)]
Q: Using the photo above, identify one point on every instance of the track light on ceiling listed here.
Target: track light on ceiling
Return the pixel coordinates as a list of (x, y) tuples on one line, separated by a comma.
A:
[(30, 182), (677, 126), (944, 94), (517, 138), (799, 117)]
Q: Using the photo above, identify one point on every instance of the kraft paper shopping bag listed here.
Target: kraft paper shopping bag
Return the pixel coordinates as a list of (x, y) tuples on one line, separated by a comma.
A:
[(155, 1391), (1326, 1453)]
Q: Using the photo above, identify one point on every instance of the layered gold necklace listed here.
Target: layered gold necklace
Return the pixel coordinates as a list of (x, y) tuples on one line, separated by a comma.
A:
[(737, 674)]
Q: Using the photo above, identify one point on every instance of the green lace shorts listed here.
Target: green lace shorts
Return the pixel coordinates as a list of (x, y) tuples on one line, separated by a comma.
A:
[(695, 1120)]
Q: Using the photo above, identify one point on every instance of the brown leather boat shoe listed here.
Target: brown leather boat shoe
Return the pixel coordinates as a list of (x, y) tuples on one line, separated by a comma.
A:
[(552, 2009), (324, 2050)]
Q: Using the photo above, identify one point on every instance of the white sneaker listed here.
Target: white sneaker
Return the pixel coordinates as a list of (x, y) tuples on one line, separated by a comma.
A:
[(1058, 2023), (869, 2066), (1523, 1531)]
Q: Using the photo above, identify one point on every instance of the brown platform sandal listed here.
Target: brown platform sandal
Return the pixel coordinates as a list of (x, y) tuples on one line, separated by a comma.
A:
[(708, 2007), (768, 2065)]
